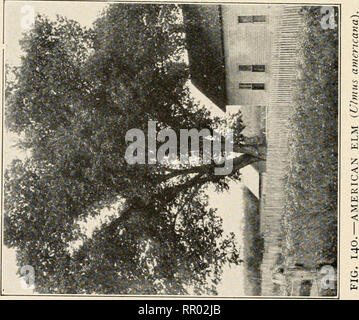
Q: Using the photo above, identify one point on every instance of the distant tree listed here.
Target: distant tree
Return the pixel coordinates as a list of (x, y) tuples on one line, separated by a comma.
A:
[(71, 101)]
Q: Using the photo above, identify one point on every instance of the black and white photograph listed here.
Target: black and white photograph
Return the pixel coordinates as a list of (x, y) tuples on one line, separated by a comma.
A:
[(172, 149)]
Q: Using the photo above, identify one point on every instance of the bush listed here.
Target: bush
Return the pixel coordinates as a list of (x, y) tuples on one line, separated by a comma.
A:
[(310, 213), (253, 244)]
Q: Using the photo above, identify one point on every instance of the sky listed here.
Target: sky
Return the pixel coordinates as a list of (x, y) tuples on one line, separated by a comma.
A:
[(227, 203)]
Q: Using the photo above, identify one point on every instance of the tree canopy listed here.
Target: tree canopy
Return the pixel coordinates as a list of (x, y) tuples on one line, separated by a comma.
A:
[(71, 101)]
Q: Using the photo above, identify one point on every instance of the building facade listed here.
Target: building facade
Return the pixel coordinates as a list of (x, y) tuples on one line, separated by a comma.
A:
[(240, 56), (246, 42)]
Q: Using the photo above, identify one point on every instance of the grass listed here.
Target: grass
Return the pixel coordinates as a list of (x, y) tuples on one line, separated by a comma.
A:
[(310, 211)]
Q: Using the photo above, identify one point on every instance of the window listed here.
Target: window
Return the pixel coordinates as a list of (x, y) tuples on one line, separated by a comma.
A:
[(245, 86), (245, 19), (259, 68), (245, 67), (259, 18), (252, 86), (305, 287), (257, 86), (253, 68), (251, 19)]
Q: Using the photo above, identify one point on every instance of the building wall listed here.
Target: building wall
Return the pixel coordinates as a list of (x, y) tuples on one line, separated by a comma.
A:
[(246, 44)]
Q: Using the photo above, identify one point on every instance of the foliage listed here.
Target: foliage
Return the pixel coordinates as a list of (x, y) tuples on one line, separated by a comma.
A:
[(253, 244), (310, 215), (205, 50), (72, 100)]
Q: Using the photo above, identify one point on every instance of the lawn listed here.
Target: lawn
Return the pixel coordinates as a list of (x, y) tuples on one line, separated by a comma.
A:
[(310, 210)]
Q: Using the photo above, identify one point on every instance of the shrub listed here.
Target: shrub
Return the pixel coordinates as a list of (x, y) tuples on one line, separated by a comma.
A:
[(253, 244), (310, 213)]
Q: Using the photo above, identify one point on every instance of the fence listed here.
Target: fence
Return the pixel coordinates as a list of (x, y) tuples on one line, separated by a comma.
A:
[(285, 24)]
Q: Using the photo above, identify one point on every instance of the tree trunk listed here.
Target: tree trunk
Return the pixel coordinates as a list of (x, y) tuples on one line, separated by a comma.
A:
[(255, 146)]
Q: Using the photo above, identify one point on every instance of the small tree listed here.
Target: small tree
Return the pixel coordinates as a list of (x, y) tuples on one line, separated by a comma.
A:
[(74, 96)]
